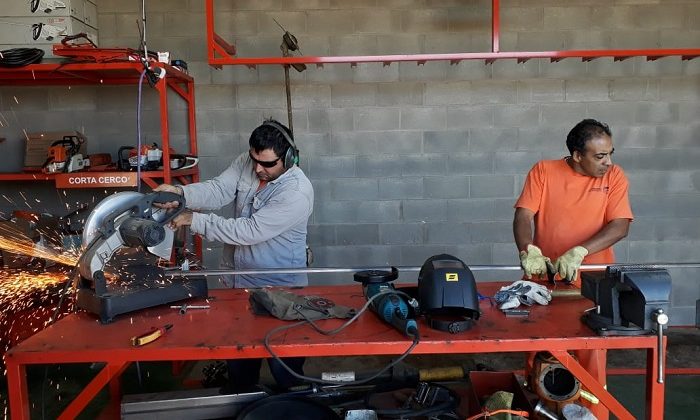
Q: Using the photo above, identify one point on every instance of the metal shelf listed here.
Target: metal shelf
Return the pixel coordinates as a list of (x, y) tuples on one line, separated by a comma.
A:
[(112, 73), (221, 53)]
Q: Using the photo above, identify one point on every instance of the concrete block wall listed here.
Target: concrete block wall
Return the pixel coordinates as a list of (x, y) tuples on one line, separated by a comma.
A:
[(412, 160)]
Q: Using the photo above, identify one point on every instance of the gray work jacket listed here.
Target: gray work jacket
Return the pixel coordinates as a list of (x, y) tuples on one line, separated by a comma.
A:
[(269, 226)]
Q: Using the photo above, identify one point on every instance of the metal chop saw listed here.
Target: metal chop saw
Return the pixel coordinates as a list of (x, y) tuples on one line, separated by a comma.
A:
[(123, 237)]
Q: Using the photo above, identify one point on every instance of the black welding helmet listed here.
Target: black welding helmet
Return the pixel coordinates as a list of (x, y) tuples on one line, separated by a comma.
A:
[(447, 294)]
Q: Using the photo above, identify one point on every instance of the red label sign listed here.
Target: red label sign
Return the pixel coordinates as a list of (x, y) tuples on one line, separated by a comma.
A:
[(96, 180)]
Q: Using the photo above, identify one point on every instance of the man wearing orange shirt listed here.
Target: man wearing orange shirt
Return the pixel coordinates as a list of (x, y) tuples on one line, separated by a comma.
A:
[(579, 207)]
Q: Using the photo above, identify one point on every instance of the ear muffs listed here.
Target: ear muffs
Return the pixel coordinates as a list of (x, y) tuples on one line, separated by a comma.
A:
[(291, 156)]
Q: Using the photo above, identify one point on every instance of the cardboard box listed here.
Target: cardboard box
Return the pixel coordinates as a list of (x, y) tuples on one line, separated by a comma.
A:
[(38, 146)]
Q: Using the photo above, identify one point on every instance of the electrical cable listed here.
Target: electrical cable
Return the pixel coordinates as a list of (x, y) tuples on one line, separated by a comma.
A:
[(416, 340), (18, 57)]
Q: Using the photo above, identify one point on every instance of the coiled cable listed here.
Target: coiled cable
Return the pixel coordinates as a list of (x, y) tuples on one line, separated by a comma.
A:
[(18, 57)]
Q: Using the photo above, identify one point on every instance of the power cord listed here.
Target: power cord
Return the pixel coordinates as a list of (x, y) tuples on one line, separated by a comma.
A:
[(18, 57), (307, 321)]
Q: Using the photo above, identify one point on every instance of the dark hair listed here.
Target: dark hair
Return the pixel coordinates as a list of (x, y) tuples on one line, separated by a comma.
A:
[(582, 132), (269, 137)]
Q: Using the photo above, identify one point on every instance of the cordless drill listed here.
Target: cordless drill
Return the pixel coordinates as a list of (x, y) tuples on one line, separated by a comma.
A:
[(390, 305)]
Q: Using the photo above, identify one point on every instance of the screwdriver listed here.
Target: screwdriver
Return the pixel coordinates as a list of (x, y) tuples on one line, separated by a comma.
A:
[(149, 337)]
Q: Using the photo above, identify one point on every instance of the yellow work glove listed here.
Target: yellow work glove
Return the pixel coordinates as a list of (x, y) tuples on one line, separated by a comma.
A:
[(533, 262), (568, 264)]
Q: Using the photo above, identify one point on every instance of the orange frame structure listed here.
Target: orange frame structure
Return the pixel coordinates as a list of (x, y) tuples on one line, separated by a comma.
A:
[(233, 331), (222, 53)]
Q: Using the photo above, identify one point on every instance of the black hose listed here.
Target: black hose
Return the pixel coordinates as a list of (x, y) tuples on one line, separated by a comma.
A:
[(18, 57)]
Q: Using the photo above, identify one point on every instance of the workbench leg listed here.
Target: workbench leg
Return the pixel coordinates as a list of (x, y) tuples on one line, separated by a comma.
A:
[(81, 401), (595, 363), (17, 389), (655, 390), (592, 384)]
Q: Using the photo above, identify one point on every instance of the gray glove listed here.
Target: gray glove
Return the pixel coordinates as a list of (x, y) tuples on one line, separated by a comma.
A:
[(522, 291)]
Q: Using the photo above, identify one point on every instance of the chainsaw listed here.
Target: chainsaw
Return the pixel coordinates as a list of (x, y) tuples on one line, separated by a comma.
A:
[(125, 239), (64, 156)]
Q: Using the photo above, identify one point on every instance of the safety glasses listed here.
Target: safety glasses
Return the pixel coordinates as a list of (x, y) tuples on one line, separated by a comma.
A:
[(264, 164)]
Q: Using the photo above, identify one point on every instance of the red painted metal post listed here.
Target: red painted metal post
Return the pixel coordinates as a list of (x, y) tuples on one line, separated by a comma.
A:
[(192, 118), (107, 374), (592, 384), (17, 389), (495, 25), (209, 13), (654, 390), (162, 88)]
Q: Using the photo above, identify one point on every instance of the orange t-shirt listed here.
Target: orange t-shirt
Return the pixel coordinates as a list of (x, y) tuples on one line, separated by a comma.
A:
[(570, 208)]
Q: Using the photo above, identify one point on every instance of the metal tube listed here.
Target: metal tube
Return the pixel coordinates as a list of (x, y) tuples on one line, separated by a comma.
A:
[(173, 273)]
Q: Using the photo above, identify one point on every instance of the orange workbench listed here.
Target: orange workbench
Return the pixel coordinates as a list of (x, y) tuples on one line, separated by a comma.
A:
[(229, 330)]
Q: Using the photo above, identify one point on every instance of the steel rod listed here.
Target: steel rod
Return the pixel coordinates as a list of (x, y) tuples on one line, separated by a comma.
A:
[(174, 273)]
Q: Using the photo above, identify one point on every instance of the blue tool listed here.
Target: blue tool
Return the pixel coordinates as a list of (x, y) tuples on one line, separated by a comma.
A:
[(389, 304)]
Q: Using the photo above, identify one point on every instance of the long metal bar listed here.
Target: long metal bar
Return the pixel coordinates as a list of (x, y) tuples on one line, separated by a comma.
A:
[(186, 273)]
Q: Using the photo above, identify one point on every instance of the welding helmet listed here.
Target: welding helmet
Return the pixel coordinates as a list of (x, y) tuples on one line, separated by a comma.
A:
[(447, 294)]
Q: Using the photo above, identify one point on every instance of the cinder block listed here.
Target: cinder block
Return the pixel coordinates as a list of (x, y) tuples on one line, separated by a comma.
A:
[(678, 136), (446, 186), (401, 188), (78, 98), (375, 72), (677, 229), (470, 116), (561, 69), (427, 164), (400, 93), (463, 210), (376, 20), (506, 254), (634, 89), (626, 137), (311, 96), (652, 205), (424, 20), (240, 75), (612, 113), (567, 18), (658, 16), (450, 93), (361, 256), (377, 118), (503, 207), (379, 211), (587, 90), (512, 69), (424, 210), (543, 41), (688, 112), (631, 39), (260, 96), (328, 74), (607, 16), (521, 115), (515, 162), (379, 166), (424, 118), (491, 232), (398, 142), (663, 67), (107, 22), (678, 251), (524, 18), (322, 190), (491, 186), (358, 234), (320, 22), (336, 211), (321, 235), (354, 142), (564, 115), (401, 233), (447, 233), (415, 255), (216, 96), (410, 43), (608, 67), (313, 144), (428, 71), (243, 121), (676, 182), (469, 69), (233, 24), (544, 138), (490, 139), (679, 89), (355, 188), (331, 166), (659, 112), (353, 94), (446, 141), (470, 164)]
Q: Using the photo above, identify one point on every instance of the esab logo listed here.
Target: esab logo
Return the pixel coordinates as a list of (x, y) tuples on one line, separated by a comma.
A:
[(451, 277)]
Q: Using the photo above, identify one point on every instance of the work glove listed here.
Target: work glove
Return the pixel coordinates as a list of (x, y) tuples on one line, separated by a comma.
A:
[(568, 264), (522, 291), (533, 262)]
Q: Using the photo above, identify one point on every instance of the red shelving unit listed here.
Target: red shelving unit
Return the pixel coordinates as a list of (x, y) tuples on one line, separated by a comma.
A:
[(113, 73)]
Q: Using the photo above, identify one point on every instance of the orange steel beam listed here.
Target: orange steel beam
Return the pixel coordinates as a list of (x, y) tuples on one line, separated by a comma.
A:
[(105, 376), (221, 53)]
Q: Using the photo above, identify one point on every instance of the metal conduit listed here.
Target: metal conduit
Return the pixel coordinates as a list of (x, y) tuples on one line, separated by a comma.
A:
[(207, 273)]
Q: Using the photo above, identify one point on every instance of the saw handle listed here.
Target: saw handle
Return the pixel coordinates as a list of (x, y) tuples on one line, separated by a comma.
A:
[(162, 197)]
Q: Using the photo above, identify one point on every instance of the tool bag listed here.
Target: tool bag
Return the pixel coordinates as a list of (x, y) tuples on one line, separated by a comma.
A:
[(288, 306)]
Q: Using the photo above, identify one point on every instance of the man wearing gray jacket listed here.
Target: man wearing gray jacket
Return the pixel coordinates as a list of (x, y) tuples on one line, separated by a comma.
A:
[(272, 200)]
